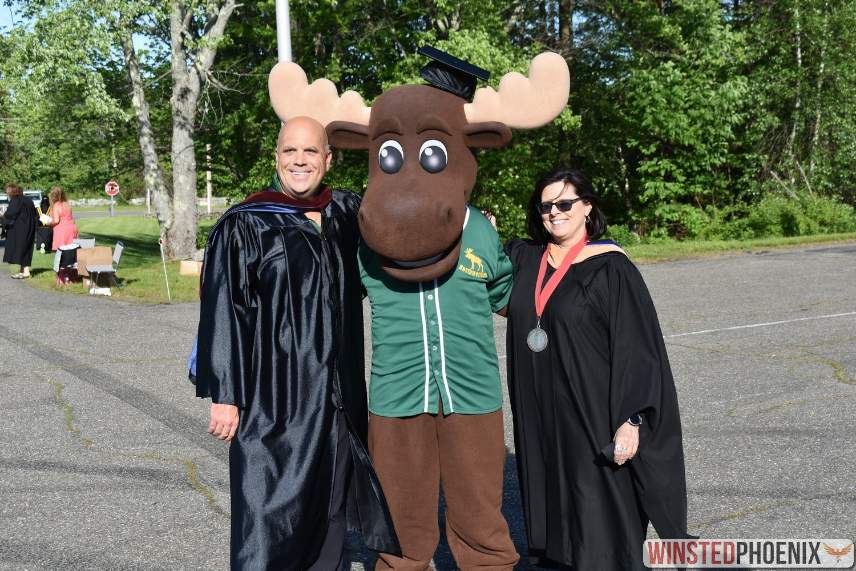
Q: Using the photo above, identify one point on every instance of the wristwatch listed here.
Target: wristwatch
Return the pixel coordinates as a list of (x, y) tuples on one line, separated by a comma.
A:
[(635, 419)]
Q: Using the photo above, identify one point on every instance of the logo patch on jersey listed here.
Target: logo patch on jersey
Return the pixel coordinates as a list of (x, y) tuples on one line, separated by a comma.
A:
[(476, 267)]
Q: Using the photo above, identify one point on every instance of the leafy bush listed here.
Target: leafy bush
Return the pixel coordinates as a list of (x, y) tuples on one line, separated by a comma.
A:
[(800, 216), (774, 215), (621, 235), (202, 233)]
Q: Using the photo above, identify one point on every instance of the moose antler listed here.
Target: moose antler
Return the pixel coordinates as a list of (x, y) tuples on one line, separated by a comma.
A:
[(292, 96), (525, 102)]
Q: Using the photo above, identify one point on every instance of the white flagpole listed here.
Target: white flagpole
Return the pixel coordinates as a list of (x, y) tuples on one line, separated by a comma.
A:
[(283, 31)]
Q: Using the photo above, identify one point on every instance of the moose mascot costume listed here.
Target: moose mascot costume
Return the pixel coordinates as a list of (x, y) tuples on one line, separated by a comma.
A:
[(434, 270)]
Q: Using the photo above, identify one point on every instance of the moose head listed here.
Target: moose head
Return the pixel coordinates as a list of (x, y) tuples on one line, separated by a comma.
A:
[(421, 167)]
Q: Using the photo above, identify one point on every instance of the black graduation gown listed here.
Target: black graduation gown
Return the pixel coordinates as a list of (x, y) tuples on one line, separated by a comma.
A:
[(605, 361), (20, 217), (281, 336)]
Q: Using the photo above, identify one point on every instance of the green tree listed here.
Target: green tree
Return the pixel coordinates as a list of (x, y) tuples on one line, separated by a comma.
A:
[(71, 43), (802, 73), (661, 102)]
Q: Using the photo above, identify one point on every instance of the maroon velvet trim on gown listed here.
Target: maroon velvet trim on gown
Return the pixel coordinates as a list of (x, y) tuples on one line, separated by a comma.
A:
[(317, 202)]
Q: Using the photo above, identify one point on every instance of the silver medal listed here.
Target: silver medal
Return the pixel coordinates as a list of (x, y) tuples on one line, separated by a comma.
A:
[(537, 339)]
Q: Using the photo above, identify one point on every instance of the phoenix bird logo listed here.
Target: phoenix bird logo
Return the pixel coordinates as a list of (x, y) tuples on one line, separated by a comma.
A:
[(839, 552)]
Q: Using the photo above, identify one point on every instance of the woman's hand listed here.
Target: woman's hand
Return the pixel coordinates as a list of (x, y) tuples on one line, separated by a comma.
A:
[(626, 443), (224, 421)]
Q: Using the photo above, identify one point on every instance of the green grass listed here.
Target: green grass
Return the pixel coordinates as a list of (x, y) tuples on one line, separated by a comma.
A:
[(118, 208), (141, 270), (665, 250), (136, 208)]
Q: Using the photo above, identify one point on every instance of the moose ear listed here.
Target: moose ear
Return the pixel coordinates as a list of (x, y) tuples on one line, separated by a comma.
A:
[(347, 135), (487, 135)]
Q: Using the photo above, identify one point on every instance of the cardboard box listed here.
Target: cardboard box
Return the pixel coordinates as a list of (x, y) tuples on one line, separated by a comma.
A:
[(190, 268), (97, 256)]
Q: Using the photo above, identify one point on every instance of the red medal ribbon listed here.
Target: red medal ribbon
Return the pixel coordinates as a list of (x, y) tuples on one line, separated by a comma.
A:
[(544, 294)]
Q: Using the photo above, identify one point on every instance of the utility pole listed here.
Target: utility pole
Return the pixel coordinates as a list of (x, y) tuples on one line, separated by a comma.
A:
[(208, 185), (283, 31)]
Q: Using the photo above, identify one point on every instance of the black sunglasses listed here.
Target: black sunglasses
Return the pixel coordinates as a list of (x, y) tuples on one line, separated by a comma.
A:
[(562, 205)]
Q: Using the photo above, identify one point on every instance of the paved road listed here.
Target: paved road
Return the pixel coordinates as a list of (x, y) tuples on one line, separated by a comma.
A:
[(105, 462)]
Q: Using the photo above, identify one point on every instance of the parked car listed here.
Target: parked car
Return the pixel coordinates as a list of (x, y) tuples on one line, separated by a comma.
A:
[(33, 194), (4, 204)]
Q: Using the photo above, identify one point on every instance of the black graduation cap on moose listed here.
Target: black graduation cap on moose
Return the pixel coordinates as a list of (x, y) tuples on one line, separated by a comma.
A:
[(451, 74)]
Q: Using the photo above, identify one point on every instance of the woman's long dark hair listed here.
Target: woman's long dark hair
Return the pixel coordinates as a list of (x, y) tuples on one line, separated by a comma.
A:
[(596, 223)]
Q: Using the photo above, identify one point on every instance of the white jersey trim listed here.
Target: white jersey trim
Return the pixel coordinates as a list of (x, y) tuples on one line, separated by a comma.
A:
[(442, 344), (425, 345)]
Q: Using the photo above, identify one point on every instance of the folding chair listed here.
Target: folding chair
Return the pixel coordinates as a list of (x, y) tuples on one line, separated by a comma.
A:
[(84, 242), (96, 271)]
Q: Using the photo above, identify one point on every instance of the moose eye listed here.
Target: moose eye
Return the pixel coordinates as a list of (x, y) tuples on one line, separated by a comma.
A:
[(432, 156), (390, 157)]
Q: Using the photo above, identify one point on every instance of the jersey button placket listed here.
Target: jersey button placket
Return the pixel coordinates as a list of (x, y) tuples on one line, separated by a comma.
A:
[(433, 336)]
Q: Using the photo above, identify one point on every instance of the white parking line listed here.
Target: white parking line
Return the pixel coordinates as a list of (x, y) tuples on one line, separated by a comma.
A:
[(753, 325)]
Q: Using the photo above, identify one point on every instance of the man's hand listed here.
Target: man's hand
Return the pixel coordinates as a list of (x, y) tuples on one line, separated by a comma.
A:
[(224, 421), (626, 442)]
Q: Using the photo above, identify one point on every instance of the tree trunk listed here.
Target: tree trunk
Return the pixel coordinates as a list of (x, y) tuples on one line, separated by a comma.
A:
[(189, 73), (566, 34), (180, 238), (821, 74), (798, 100), (152, 171), (566, 48)]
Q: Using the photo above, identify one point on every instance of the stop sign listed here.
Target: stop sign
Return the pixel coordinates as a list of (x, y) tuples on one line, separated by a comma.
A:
[(111, 188)]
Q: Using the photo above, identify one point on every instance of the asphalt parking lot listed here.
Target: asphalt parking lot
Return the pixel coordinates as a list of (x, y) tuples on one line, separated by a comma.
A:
[(106, 464)]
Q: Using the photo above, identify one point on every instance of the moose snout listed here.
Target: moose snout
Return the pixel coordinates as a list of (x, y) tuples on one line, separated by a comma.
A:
[(410, 227)]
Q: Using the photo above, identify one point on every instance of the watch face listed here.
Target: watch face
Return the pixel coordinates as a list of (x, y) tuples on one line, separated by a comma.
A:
[(635, 420)]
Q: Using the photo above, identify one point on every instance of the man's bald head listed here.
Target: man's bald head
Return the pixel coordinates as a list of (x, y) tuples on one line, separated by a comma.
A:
[(304, 125), (302, 157)]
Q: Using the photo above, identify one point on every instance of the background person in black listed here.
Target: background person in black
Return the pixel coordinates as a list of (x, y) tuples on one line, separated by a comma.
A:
[(576, 403), (20, 218)]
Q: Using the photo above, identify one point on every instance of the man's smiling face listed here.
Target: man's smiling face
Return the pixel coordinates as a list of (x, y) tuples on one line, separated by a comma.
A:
[(302, 157)]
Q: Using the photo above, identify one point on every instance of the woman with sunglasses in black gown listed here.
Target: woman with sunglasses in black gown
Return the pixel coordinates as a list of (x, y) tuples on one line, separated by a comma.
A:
[(595, 409)]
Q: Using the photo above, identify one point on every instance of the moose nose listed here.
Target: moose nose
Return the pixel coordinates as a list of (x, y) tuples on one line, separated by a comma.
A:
[(410, 226)]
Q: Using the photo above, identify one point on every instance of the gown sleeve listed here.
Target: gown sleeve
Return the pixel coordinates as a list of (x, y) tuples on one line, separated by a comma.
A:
[(499, 286), (512, 250), (637, 351), (228, 315), (13, 210), (641, 381)]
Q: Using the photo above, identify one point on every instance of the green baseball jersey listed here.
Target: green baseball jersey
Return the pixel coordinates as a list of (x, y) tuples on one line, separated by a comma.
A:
[(434, 341)]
